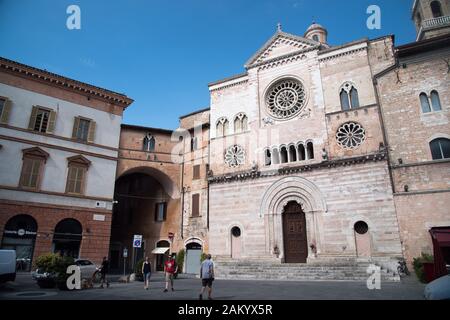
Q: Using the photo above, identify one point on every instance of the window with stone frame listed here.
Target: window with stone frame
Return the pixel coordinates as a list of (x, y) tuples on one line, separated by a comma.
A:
[(194, 144), (84, 129), (222, 127), (160, 211), (349, 96), (76, 175), (240, 123), (430, 103), (436, 9), (5, 109), (42, 119), (195, 205), (440, 148), (33, 163), (149, 143)]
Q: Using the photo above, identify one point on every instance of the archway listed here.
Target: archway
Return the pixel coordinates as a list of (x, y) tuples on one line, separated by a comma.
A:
[(294, 234), (145, 202), (67, 238), (309, 199), (20, 235)]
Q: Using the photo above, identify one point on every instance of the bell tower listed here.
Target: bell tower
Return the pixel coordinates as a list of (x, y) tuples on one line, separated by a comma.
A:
[(431, 18)]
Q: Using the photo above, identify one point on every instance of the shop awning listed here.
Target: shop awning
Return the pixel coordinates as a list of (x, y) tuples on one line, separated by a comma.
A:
[(160, 250), (441, 235)]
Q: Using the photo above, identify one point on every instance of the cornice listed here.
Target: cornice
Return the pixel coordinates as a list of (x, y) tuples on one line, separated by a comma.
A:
[(255, 174), (229, 85), (339, 54), (62, 82)]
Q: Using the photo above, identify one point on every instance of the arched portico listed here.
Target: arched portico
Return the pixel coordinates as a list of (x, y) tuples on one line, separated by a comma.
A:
[(282, 192)]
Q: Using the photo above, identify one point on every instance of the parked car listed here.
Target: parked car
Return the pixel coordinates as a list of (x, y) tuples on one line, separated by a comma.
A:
[(87, 269), (7, 265), (438, 289)]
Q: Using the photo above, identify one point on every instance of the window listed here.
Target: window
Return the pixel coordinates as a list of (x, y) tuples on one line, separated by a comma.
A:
[(284, 155), (316, 37), (361, 227), (435, 101), (42, 120), (196, 172), (195, 205), (292, 154), (419, 19), (84, 129), (240, 123), (425, 103), (222, 127), (436, 9), (349, 96), (310, 150), (285, 99), (76, 176), (5, 110), (268, 158), (160, 211), (32, 167), (301, 152), (440, 148), (194, 145), (149, 143)]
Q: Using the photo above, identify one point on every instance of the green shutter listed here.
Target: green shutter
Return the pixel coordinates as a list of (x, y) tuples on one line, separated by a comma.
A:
[(33, 116), (51, 122), (91, 134), (4, 117), (76, 124)]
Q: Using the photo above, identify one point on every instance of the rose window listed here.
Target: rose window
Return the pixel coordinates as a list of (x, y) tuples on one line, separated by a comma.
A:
[(234, 156), (285, 99), (350, 135)]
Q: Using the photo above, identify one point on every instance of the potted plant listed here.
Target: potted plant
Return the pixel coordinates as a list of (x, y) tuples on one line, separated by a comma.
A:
[(180, 262), (423, 266), (45, 274)]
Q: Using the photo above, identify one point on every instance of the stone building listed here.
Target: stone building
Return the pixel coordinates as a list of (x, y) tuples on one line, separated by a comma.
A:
[(162, 193), (415, 102), (58, 148)]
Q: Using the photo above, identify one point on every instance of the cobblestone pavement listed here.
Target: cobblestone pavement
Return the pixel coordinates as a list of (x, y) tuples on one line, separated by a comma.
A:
[(187, 288)]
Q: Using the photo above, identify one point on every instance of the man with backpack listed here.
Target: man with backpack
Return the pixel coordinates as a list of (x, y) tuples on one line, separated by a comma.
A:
[(170, 268)]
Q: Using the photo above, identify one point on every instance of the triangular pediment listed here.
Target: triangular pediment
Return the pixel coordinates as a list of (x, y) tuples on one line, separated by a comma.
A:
[(79, 160), (281, 44), (35, 152)]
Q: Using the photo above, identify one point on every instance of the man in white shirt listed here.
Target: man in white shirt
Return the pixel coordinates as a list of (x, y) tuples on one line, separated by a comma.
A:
[(207, 276)]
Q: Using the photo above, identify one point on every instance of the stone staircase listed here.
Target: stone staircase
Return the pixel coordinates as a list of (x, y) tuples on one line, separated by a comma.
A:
[(329, 270)]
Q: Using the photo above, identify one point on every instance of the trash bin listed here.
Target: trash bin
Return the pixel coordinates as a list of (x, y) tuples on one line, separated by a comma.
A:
[(428, 268)]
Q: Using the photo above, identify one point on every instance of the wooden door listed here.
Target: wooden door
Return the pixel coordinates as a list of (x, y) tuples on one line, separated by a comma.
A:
[(294, 234)]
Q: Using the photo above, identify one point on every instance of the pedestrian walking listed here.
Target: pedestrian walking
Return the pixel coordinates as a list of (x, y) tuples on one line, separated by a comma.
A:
[(207, 276), (170, 268), (147, 272), (103, 272)]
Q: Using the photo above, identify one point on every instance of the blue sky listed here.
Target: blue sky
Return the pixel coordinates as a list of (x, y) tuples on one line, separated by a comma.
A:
[(164, 53)]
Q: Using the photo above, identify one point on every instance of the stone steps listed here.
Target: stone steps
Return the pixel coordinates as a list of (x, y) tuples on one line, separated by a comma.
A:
[(334, 271)]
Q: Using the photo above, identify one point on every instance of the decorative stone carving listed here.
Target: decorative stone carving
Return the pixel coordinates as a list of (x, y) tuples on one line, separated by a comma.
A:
[(350, 135), (235, 156), (285, 99)]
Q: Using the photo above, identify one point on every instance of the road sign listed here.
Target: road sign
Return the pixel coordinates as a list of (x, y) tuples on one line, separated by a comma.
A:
[(137, 241), (125, 252)]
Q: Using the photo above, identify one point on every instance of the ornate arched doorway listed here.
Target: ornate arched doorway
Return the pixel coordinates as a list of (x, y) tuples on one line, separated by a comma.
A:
[(67, 238), (294, 234), (20, 235)]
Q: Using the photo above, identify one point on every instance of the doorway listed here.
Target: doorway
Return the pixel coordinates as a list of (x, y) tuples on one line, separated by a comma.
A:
[(193, 256), (236, 243), (294, 234), (67, 238), (20, 235), (362, 239)]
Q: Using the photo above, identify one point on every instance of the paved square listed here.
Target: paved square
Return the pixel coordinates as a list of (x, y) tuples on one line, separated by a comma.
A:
[(187, 288)]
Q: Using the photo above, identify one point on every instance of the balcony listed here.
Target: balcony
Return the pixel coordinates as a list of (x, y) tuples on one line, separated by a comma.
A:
[(436, 22)]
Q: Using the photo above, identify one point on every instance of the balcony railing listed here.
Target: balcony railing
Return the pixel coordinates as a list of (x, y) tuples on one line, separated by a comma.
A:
[(436, 22)]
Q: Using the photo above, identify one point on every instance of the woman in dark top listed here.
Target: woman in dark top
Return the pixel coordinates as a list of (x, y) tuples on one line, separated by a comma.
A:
[(146, 271)]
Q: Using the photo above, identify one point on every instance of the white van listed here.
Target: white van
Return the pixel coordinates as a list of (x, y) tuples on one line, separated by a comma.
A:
[(7, 265)]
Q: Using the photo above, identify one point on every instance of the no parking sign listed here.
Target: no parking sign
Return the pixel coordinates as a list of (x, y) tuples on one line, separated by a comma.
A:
[(137, 241)]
